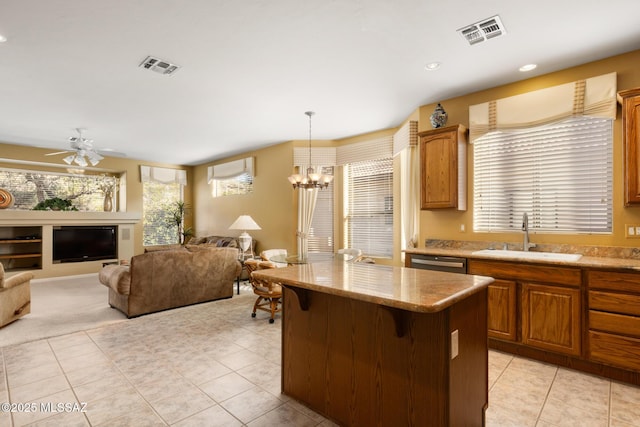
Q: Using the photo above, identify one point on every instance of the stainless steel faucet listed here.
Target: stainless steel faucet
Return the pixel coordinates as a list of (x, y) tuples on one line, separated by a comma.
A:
[(525, 227)]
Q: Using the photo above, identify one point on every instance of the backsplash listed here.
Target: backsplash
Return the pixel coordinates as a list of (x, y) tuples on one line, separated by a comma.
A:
[(590, 251)]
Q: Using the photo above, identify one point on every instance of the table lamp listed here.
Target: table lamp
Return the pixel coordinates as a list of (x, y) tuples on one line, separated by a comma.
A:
[(245, 222)]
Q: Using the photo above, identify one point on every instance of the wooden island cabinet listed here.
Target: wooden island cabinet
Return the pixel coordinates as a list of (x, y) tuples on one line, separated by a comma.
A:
[(373, 345)]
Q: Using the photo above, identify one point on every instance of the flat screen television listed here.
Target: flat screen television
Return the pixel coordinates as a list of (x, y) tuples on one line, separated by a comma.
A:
[(85, 243)]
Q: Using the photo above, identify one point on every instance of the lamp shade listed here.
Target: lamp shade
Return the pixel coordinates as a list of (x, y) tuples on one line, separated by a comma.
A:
[(244, 222)]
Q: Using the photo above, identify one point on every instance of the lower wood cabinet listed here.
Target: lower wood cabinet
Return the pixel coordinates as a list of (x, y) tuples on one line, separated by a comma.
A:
[(614, 318), (551, 318), (502, 309), (534, 305)]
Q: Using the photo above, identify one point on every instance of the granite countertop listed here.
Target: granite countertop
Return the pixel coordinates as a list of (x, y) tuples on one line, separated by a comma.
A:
[(584, 262), (398, 287)]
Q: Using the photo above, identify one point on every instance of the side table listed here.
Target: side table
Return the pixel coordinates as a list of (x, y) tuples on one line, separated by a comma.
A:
[(244, 268)]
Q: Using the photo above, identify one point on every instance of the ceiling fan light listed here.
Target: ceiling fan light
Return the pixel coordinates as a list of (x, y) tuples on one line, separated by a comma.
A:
[(69, 159), (81, 161)]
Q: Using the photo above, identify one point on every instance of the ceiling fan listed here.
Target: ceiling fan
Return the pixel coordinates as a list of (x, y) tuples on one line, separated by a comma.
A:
[(82, 152)]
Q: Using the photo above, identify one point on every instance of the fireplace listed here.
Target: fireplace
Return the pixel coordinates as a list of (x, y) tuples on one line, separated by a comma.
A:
[(84, 243)]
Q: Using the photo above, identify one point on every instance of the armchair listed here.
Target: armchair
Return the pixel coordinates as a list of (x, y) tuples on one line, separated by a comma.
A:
[(15, 296), (268, 293)]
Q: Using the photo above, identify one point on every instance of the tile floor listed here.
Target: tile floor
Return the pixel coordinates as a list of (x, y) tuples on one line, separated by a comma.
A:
[(213, 365)]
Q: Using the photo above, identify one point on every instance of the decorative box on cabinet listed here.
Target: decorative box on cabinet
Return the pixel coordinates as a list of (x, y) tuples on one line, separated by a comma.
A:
[(630, 100), (443, 166)]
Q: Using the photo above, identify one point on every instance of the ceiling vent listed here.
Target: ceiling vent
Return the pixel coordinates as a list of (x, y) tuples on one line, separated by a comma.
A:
[(484, 30), (159, 66)]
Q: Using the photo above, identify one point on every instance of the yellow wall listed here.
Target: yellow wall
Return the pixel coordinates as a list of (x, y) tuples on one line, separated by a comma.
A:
[(271, 204), (445, 224)]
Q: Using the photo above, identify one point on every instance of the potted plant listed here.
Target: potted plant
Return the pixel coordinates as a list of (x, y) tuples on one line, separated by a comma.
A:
[(55, 204), (178, 211)]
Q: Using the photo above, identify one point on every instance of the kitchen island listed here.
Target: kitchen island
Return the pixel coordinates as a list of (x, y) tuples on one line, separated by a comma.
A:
[(378, 345)]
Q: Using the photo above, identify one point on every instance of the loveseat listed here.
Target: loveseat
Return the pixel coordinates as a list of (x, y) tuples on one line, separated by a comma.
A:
[(171, 278), (216, 241), (15, 296)]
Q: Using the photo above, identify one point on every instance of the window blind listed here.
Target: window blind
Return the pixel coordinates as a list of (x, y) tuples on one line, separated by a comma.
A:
[(559, 174), (369, 220), (321, 233)]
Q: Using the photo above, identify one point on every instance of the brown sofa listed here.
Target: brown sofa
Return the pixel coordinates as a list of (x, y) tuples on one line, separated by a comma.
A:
[(15, 296), (160, 280)]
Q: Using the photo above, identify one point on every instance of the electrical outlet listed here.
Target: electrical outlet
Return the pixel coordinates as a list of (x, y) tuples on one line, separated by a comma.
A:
[(454, 344), (632, 231)]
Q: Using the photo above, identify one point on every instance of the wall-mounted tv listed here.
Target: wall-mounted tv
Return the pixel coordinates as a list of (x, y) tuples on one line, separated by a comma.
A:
[(85, 243)]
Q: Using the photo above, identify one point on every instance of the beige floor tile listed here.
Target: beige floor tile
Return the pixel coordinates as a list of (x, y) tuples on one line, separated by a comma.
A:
[(283, 416), (73, 351), (251, 404), (91, 373), (497, 416), (226, 386), (115, 406), (558, 412), (30, 375), (66, 419), (35, 390), (103, 387), (143, 417), (625, 404), (43, 407), (182, 405), (70, 340), (83, 361), (214, 416), (240, 359)]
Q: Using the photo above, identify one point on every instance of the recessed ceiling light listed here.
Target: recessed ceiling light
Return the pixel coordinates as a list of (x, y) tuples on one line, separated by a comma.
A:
[(2, 38), (528, 67), (431, 66)]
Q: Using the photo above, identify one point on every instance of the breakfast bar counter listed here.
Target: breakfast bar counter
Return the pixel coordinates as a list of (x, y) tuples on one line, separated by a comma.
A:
[(378, 345)]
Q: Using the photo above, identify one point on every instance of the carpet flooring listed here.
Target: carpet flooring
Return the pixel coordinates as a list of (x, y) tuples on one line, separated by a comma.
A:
[(61, 306)]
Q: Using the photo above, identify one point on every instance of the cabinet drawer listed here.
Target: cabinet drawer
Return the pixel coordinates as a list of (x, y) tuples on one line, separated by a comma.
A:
[(615, 303), (615, 281), (615, 323), (615, 350), (525, 272)]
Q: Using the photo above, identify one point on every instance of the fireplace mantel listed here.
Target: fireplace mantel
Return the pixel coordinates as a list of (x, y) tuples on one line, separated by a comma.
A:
[(17, 217)]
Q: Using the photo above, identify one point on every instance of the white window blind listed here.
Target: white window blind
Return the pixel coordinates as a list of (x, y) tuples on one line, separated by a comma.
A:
[(559, 174), (369, 220), (321, 233)]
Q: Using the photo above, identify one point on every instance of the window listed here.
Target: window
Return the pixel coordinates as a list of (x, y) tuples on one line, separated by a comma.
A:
[(161, 189), (30, 187), (321, 233), (242, 184), (231, 178), (369, 204), (560, 174)]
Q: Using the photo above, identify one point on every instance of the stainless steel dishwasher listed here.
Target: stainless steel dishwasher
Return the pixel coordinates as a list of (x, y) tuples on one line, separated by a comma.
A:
[(439, 263)]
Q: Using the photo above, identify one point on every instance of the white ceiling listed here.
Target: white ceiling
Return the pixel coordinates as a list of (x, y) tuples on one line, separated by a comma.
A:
[(251, 68)]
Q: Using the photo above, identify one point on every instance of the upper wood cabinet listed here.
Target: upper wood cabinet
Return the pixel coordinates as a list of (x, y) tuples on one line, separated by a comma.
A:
[(630, 100), (443, 165)]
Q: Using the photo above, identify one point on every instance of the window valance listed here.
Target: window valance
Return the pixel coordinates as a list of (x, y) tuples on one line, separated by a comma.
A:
[(374, 149), (406, 136), (595, 97), (320, 156), (231, 169), (163, 175)]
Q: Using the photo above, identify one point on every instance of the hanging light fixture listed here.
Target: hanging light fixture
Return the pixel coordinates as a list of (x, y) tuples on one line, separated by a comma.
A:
[(312, 179)]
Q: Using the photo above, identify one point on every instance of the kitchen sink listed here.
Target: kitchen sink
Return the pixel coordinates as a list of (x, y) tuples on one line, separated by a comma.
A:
[(507, 254)]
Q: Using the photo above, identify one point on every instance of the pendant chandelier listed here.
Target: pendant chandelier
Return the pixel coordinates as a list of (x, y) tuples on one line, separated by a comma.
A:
[(312, 179)]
